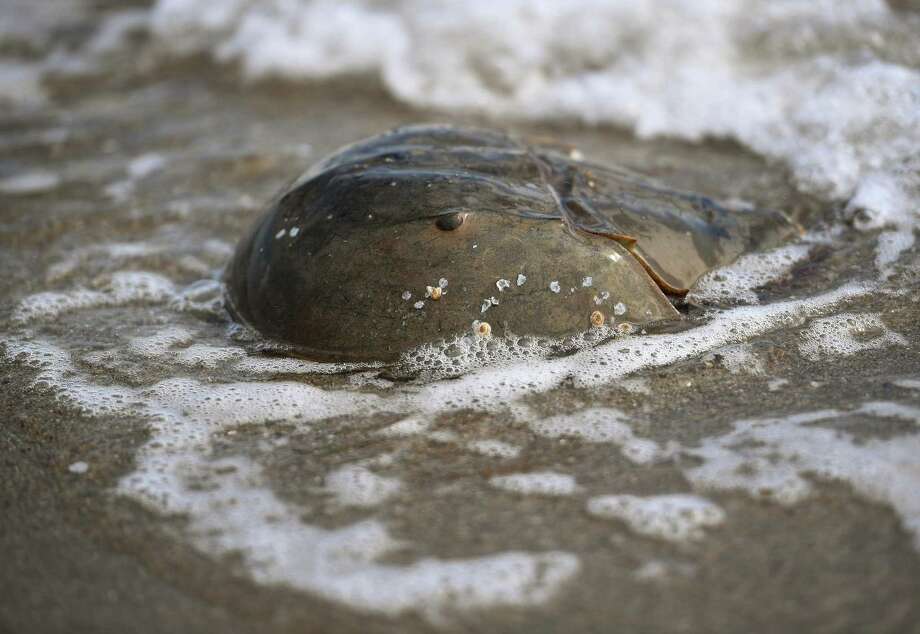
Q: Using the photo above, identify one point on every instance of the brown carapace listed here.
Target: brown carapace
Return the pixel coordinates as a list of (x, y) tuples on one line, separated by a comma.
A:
[(524, 235)]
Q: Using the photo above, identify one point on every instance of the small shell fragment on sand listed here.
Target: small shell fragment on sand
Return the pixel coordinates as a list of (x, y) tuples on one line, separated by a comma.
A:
[(502, 284), (482, 328), (521, 278), (554, 286)]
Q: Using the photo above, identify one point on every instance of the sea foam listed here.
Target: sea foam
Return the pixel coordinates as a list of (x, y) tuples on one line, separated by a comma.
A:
[(828, 88)]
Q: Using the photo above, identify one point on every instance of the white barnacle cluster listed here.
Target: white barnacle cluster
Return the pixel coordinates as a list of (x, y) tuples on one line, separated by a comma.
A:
[(435, 292), (431, 292), (482, 328)]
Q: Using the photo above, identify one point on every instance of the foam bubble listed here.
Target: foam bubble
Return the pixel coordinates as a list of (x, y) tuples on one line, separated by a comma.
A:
[(675, 517), (847, 334), (536, 483)]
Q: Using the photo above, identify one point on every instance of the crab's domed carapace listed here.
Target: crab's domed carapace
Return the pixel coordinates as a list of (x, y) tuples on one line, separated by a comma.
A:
[(520, 235)]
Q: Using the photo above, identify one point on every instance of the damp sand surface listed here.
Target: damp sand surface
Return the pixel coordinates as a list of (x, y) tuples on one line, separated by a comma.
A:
[(756, 470)]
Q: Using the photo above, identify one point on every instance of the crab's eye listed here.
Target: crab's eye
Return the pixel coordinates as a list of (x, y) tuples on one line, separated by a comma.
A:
[(449, 222)]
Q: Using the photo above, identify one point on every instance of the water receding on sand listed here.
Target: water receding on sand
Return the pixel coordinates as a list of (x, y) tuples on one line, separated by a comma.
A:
[(758, 466)]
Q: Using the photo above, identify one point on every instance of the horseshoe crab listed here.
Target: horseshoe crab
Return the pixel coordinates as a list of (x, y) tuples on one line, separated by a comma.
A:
[(521, 237)]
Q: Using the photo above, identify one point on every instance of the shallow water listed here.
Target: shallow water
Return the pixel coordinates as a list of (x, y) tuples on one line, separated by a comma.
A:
[(757, 469)]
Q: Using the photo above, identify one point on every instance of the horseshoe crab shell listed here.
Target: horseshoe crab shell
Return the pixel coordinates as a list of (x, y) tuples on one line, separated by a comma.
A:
[(520, 235)]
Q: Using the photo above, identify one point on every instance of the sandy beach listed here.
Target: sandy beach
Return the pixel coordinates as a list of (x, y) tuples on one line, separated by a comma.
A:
[(753, 469)]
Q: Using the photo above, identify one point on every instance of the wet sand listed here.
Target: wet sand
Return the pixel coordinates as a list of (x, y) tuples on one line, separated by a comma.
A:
[(78, 557)]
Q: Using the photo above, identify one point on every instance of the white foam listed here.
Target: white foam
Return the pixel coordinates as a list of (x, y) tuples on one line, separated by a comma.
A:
[(35, 182), (355, 485), (123, 287), (509, 374), (116, 252), (892, 202), (738, 358), (114, 30), (775, 385), (55, 369), (601, 425), (773, 458), (908, 384), (268, 366), (847, 334), (207, 356), (237, 513), (78, 467), (158, 345), (536, 483), (406, 427), (675, 517), (737, 282), (494, 448), (145, 165), (780, 78), (21, 85)]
